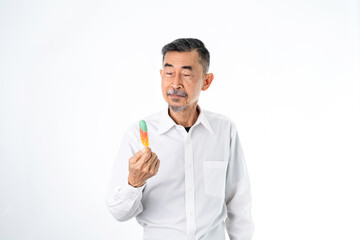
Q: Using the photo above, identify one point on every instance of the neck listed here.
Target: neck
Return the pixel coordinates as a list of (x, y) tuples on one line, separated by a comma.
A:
[(187, 117)]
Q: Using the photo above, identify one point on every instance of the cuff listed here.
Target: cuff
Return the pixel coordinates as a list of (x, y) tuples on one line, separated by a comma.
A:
[(133, 191), (125, 196)]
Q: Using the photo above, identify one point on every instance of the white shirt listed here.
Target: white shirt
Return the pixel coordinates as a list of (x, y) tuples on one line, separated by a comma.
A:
[(202, 185)]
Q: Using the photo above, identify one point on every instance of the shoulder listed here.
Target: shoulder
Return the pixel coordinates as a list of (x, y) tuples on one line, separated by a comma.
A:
[(219, 120), (216, 116)]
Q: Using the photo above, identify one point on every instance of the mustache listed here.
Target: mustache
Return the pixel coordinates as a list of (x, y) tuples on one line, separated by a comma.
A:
[(176, 92)]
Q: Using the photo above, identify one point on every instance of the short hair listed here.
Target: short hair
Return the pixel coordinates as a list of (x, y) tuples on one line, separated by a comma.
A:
[(188, 45)]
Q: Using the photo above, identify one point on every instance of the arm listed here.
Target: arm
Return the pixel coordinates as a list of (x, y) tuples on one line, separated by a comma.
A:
[(239, 223), (129, 179), (123, 200)]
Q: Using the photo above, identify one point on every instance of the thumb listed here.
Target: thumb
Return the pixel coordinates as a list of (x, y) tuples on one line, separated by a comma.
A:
[(138, 154)]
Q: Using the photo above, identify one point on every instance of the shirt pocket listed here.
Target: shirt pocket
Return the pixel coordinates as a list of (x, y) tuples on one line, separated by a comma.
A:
[(214, 178)]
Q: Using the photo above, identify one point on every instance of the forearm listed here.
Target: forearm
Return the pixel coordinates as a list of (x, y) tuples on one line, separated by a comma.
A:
[(239, 223)]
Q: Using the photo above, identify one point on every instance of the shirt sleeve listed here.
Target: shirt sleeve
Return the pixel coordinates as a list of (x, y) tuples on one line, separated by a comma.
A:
[(239, 223), (123, 200)]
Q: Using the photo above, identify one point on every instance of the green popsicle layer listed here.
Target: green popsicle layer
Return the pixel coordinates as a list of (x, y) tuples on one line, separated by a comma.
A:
[(143, 126)]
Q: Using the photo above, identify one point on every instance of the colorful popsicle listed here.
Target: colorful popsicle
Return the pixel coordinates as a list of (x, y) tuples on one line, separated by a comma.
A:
[(143, 133)]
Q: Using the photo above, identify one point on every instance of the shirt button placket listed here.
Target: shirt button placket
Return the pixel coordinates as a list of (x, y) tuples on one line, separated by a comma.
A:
[(189, 189)]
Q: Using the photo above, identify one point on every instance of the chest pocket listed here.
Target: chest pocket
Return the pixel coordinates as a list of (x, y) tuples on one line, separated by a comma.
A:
[(214, 178)]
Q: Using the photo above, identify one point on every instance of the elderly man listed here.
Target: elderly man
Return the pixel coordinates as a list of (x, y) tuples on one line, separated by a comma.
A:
[(201, 185)]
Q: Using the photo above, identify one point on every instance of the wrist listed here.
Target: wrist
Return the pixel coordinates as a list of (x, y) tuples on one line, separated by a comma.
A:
[(136, 185)]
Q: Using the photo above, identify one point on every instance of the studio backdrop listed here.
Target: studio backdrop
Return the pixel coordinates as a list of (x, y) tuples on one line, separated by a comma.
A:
[(75, 74)]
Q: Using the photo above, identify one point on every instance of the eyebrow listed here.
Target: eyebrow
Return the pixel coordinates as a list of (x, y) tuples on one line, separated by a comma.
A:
[(183, 67)]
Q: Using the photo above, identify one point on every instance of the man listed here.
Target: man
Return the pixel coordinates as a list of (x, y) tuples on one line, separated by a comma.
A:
[(201, 185)]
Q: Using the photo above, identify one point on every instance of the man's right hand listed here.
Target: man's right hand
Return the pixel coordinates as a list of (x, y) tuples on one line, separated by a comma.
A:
[(142, 166)]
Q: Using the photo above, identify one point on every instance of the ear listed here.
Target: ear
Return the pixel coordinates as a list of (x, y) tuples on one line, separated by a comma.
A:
[(161, 72), (209, 77)]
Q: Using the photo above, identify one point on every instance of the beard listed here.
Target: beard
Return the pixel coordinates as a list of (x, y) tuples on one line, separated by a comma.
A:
[(181, 93), (177, 108)]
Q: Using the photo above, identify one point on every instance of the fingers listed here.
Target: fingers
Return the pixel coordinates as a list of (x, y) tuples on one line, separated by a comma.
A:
[(148, 165), (147, 157), (136, 156), (143, 160), (147, 154), (154, 167), (144, 153), (152, 158), (142, 166), (157, 165)]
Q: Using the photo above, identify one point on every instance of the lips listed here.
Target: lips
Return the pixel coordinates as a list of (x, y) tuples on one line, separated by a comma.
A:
[(175, 96)]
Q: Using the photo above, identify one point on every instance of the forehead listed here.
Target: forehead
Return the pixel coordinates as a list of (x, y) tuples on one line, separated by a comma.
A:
[(179, 59)]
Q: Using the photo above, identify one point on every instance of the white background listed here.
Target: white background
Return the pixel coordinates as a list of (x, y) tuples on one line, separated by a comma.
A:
[(75, 74)]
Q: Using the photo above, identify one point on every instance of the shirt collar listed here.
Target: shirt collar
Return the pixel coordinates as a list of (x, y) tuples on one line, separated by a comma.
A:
[(166, 122)]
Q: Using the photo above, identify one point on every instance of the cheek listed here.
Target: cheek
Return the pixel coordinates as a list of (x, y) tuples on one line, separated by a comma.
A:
[(195, 89), (164, 86)]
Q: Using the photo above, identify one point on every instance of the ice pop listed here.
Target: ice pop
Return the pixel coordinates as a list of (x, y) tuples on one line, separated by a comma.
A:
[(143, 133)]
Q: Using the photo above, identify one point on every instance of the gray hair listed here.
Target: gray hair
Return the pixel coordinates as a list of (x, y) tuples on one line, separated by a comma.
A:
[(188, 45)]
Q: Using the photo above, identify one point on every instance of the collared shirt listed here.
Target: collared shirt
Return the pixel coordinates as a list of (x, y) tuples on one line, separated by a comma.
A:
[(201, 188)]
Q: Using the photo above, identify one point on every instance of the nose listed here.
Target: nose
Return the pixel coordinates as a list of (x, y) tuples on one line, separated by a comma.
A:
[(177, 82)]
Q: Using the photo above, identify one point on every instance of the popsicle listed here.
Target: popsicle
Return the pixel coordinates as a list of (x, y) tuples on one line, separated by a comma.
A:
[(143, 133)]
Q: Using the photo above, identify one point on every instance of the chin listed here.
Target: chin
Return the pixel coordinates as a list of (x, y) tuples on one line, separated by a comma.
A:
[(177, 108)]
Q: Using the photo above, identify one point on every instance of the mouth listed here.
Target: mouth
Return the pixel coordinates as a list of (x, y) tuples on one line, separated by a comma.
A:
[(175, 96)]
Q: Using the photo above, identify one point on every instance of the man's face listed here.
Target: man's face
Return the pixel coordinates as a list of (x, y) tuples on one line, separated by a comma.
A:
[(183, 79)]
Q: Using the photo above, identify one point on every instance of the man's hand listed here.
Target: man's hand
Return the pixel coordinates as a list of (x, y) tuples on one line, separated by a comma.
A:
[(142, 166)]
